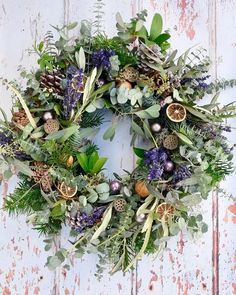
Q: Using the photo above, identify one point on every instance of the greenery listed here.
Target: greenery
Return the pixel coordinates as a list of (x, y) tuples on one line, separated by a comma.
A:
[(48, 141)]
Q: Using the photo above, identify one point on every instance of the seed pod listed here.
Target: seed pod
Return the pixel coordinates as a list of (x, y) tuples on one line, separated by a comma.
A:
[(51, 126), (171, 142), (141, 189), (119, 204)]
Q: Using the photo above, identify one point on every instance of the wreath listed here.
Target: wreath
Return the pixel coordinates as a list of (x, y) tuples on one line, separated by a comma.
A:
[(49, 144)]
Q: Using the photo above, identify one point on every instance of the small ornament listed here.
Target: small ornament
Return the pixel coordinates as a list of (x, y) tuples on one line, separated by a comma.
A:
[(156, 127), (141, 189), (171, 142), (51, 126), (47, 115), (115, 186), (140, 218), (169, 166), (70, 161), (176, 112), (125, 84), (67, 191), (165, 211), (119, 204)]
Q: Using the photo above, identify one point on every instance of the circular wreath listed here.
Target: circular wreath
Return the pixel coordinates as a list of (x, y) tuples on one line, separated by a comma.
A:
[(48, 141)]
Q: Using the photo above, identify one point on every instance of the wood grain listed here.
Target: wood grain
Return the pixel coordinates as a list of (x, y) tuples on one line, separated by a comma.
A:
[(206, 266)]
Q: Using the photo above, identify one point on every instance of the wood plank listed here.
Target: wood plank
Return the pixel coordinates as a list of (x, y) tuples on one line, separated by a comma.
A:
[(226, 54), (23, 257), (185, 266)]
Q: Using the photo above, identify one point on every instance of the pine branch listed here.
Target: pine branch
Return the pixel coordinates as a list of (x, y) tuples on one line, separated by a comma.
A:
[(94, 119), (25, 199)]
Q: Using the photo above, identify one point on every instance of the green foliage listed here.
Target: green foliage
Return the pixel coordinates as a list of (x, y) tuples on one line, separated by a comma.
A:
[(91, 164), (98, 15), (129, 31), (26, 198), (125, 56), (94, 119)]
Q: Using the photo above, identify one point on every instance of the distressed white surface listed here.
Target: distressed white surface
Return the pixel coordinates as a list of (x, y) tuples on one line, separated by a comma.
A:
[(185, 268)]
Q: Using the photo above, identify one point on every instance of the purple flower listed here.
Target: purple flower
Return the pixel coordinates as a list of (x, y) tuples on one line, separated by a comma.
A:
[(85, 220), (101, 58), (5, 138), (181, 173), (226, 128), (155, 172), (155, 159), (74, 89), (203, 85)]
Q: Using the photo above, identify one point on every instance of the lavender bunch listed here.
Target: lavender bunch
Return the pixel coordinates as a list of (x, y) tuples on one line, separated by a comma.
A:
[(84, 220), (155, 159), (101, 58), (182, 172), (12, 149), (74, 90)]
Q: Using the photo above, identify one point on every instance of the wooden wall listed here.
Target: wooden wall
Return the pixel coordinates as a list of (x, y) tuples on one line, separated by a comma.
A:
[(205, 266)]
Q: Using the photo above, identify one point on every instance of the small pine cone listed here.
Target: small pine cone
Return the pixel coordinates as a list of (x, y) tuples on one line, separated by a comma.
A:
[(51, 125), (119, 205), (41, 175), (171, 142), (174, 80), (149, 55), (51, 81), (130, 74), (20, 118)]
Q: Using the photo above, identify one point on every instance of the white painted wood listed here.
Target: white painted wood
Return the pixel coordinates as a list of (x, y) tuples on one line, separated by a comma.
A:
[(185, 267)]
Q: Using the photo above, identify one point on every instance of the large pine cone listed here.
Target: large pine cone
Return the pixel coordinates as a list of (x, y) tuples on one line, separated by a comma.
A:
[(41, 175), (51, 81), (20, 118), (149, 55)]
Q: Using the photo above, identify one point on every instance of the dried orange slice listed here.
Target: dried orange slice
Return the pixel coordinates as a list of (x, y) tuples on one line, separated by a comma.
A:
[(67, 191), (164, 211), (176, 112)]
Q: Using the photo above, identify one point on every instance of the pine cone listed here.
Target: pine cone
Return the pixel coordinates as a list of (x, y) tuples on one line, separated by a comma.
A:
[(149, 55), (79, 220), (20, 118), (41, 175), (51, 81)]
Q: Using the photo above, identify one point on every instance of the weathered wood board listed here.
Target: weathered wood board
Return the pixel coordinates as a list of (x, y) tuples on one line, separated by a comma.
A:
[(206, 266)]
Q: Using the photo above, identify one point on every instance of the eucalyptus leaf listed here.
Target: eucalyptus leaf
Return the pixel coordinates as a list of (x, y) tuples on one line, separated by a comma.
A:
[(22, 167), (63, 134), (110, 132)]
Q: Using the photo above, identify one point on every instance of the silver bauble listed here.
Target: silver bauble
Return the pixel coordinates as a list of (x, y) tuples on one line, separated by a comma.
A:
[(156, 127), (140, 218), (115, 186), (169, 166)]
